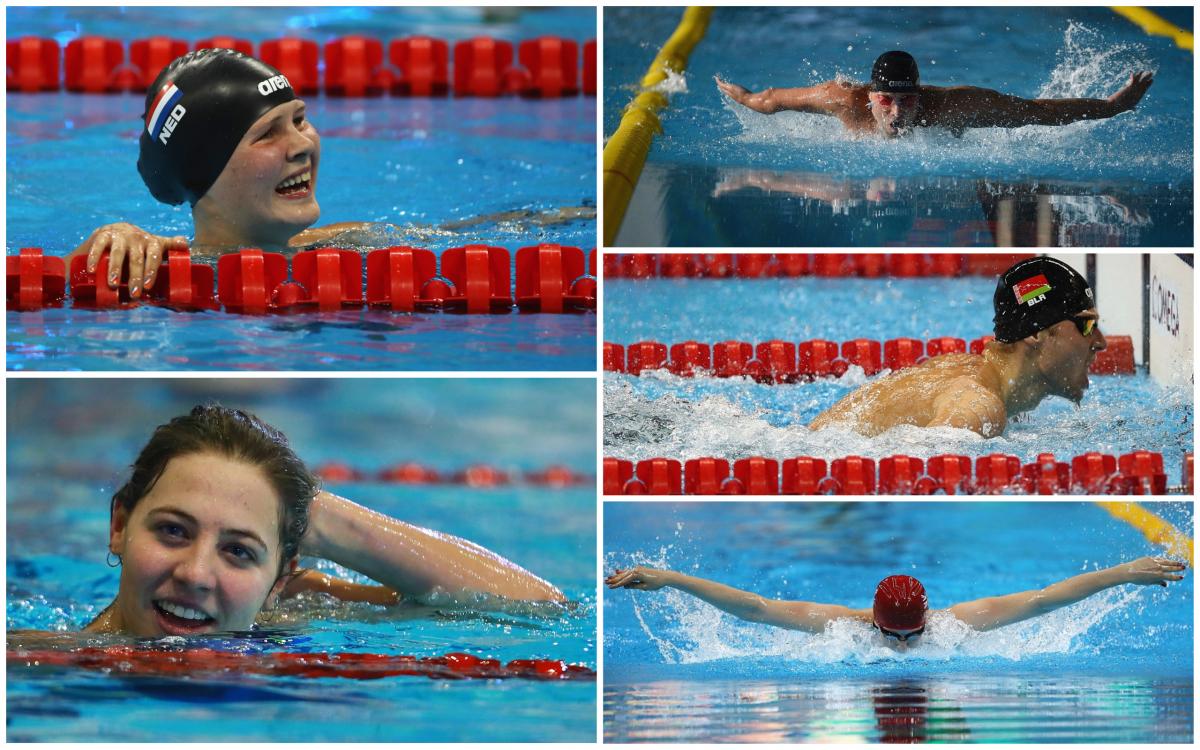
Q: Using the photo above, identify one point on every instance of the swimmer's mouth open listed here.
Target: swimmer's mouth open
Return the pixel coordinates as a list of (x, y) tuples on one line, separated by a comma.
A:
[(176, 619), (295, 186)]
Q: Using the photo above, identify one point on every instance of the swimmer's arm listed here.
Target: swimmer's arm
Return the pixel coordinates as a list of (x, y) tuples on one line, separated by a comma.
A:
[(317, 235), (971, 407), (315, 581), (741, 604), (983, 108), (823, 99), (998, 611), (415, 562)]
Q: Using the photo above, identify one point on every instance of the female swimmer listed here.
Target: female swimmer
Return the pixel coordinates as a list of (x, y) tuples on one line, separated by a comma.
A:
[(900, 608), (210, 526), (225, 133)]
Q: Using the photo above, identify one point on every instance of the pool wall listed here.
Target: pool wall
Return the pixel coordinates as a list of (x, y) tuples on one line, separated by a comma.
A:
[(1172, 304)]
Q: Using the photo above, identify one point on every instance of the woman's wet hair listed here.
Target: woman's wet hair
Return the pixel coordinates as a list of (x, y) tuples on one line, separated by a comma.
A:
[(237, 435)]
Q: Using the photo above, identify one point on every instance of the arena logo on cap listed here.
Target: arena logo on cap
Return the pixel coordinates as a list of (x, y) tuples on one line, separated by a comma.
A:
[(165, 112), (273, 84), (1031, 290)]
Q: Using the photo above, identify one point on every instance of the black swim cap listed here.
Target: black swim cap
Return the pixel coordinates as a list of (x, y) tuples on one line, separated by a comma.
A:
[(1035, 294), (895, 72), (197, 111)]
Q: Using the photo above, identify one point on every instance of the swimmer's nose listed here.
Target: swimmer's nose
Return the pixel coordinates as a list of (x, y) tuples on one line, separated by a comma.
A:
[(196, 569), (301, 144), (1099, 343)]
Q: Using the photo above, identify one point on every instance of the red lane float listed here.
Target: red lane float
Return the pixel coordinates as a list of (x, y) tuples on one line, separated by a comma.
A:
[(355, 65), (779, 361), (790, 265), (1137, 473), (32, 65), (424, 65), (478, 475), (296, 59), (204, 661), (476, 278), (35, 281)]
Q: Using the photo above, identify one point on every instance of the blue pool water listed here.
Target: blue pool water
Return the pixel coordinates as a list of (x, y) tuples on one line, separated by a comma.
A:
[(68, 444), (721, 175), (1117, 667), (659, 414), (444, 172)]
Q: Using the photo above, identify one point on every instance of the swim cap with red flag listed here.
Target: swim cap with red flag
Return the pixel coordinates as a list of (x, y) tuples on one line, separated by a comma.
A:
[(900, 603)]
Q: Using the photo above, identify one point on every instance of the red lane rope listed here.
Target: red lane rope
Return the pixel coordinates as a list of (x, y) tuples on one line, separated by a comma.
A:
[(790, 265), (192, 662), (779, 361), (355, 65), (1137, 473), (474, 279)]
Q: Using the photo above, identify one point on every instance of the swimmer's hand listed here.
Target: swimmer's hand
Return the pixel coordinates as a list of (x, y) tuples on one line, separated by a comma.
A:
[(1149, 571), (732, 90), (1132, 92), (125, 242), (646, 579)]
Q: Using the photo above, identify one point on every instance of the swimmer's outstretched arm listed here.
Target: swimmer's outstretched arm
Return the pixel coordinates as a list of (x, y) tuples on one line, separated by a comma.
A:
[(415, 562), (126, 243), (827, 98), (983, 108), (998, 611), (744, 605)]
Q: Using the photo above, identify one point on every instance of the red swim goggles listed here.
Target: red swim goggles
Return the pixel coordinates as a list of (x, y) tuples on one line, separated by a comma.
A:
[(905, 100)]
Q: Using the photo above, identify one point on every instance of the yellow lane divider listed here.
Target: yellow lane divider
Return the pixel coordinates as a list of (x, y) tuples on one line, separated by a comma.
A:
[(1155, 529), (625, 153), (1155, 25)]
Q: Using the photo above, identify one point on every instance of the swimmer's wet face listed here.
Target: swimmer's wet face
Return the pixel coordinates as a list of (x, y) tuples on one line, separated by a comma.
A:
[(894, 113), (1065, 353), (201, 551), (901, 635), (267, 192)]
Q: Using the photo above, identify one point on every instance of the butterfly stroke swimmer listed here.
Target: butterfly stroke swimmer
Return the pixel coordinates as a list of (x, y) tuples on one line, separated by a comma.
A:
[(900, 608), (895, 102)]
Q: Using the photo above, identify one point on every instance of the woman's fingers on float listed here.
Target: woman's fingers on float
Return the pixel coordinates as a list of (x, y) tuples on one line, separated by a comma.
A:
[(98, 243), (137, 261), (118, 246), (154, 254)]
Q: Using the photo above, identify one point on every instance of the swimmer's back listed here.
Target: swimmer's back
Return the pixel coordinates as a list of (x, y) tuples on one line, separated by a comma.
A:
[(915, 396)]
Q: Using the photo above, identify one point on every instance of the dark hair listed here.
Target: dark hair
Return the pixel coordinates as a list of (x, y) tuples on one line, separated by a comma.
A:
[(238, 435)]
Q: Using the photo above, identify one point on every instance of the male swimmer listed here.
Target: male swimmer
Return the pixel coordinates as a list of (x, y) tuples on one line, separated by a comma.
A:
[(895, 102), (1047, 334), (900, 610), (225, 133)]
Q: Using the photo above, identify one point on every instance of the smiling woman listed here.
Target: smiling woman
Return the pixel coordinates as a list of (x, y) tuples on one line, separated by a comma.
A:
[(209, 528)]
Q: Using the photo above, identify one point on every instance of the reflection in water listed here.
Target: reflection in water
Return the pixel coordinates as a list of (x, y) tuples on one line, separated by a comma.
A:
[(689, 206), (956, 708)]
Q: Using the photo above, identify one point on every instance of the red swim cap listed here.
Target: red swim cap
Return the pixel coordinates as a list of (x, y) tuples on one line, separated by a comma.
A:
[(900, 603)]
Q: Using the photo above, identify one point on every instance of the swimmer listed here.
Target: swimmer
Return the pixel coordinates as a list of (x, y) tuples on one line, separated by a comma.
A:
[(901, 607), (1047, 334), (226, 134), (895, 102), (218, 510)]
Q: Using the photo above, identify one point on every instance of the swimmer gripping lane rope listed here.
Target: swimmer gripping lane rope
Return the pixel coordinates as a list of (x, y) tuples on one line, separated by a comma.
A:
[(200, 662), (625, 153), (1155, 25)]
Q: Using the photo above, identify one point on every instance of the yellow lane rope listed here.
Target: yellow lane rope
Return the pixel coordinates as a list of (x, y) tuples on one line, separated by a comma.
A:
[(1155, 529), (1155, 25), (625, 153)]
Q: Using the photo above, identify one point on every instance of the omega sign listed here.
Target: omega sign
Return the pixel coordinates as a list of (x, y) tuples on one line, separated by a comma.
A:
[(1164, 306)]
